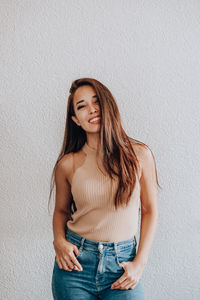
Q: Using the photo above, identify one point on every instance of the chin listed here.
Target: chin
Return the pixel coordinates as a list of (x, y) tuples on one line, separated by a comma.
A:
[(92, 131)]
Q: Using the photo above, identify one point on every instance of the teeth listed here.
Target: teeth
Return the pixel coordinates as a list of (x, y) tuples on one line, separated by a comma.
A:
[(95, 119)]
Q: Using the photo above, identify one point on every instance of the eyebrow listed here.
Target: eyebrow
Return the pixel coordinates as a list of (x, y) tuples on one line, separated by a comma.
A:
[(95, 96)]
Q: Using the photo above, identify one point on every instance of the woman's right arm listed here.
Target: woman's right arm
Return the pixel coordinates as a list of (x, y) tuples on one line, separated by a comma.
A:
[(63, 194), (63, 248)]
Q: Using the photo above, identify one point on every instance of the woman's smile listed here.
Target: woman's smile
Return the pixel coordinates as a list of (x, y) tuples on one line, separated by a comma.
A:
[(96, 120)]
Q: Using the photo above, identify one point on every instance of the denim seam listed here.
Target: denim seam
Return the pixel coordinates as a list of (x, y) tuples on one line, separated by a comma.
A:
[(116, 254), (81, 246)]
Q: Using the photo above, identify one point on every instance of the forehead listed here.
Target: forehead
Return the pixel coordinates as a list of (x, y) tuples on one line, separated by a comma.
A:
[(84, 92)]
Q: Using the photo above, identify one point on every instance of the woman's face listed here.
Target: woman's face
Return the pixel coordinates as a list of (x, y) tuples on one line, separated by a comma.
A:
[(87, 107)]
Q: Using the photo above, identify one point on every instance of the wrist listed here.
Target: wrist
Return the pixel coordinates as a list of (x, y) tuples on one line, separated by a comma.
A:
[(140, 260), (59, 240)]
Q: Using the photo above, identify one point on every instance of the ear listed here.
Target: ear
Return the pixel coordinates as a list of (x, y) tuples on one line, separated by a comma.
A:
[(75, 120)]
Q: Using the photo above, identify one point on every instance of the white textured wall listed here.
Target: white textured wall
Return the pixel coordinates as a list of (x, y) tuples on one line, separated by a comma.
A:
[(147, 53)]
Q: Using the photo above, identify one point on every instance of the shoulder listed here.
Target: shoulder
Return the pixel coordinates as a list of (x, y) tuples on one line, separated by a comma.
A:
[(143, 151), (140, 149), (144, 155), (65, 165)]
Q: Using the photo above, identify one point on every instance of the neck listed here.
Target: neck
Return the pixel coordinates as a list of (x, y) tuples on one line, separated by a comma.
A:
[(93, 142)]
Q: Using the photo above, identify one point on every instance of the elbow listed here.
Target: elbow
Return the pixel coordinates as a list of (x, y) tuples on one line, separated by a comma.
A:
[(61, 211), (151, 212)]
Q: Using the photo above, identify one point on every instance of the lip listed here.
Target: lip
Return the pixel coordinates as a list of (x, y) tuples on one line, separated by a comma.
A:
[(94, 117)]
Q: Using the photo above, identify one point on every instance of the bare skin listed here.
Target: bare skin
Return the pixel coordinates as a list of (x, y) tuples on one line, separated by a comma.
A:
[(66, 252)]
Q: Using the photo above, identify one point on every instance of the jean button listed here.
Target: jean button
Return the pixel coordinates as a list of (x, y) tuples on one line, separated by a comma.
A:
[(100, 247)]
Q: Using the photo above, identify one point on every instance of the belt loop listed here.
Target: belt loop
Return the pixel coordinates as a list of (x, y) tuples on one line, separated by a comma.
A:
[(116, 249), (82, 242)]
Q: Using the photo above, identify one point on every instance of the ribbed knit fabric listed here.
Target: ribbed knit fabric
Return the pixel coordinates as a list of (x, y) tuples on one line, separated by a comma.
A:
[(95, 217)]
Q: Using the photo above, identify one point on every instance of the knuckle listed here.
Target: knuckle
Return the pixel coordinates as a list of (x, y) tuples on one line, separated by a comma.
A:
[(66, 267), (133, 279), (67, 252), (76, 262), (67, 258)]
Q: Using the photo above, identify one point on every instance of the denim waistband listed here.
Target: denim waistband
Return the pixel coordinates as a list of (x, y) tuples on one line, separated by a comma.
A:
[(96, 246)]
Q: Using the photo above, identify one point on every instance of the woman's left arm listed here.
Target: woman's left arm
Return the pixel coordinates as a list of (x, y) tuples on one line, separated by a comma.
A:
[(149, 206), (149, 218)]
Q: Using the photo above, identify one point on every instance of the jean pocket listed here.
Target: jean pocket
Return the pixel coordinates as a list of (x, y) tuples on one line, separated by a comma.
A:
[(78, 245), (56, 266), (125, 254)]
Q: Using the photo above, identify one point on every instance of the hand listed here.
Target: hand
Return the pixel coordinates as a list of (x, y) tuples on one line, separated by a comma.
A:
[(65, 257), (130, 278)]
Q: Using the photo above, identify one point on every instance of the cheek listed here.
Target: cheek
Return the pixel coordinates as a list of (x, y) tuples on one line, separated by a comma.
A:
[(82, 117)]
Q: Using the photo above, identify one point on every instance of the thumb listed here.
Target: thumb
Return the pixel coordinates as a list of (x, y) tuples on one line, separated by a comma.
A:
[(122, 264), (76, 250)]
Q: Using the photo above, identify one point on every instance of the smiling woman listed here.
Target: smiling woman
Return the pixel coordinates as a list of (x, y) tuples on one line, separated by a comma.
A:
[(102, 176), (81, 106)]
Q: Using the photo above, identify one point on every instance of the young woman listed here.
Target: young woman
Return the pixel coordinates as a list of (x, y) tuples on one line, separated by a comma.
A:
[(101, 175)]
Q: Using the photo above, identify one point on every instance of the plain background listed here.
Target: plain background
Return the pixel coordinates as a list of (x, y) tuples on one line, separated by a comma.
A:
[(147, 54)]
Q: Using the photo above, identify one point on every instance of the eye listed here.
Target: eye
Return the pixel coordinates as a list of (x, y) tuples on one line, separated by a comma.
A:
[(84, 105), (80, 106)]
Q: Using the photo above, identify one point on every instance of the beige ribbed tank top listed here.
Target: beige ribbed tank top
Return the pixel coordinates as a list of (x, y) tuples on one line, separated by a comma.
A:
[(95, 217)]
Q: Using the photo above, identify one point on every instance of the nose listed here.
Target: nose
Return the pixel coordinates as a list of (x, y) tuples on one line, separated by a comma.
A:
[(92, 109)]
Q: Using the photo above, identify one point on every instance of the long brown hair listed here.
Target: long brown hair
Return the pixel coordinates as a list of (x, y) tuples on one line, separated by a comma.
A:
[(120, 159)]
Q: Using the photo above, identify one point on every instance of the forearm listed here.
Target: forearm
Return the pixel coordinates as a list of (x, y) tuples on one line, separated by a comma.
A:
[(59, 224), (147, 233)]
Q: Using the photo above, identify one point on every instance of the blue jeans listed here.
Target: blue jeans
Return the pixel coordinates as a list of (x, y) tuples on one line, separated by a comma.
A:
[(100, 263)]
